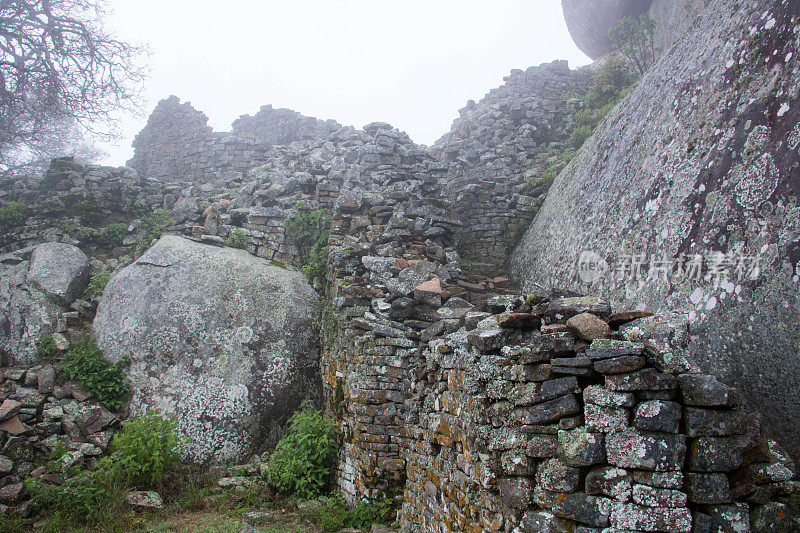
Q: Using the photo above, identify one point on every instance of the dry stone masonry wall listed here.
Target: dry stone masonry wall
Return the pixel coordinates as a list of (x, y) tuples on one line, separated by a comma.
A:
[(513, 426), (476, 408)]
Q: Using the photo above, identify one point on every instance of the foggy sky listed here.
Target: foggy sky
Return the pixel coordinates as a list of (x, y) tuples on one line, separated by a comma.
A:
[(412, 63)]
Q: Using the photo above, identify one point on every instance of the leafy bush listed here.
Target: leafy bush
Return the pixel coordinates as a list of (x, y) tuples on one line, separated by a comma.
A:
[(154, 225), (140, 208), (611, 83), (90, 498), (238, 239), (331, 514), (114, 234), (85, 362), (98, 282), (46, 347), (146, 449), (633, 38), (309, 229), (13, 214), (300, 463)]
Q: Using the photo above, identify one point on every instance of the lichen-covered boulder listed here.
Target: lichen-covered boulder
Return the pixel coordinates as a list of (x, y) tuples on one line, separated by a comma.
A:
[(686, 201), (588, 21), (60, 270), (220, 338), (36, 286)]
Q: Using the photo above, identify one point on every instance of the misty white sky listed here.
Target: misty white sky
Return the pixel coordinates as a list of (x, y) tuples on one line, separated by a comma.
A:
[(411, 63)]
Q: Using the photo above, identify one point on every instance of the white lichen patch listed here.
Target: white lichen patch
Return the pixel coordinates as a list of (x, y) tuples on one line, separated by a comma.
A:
[(755, 181)]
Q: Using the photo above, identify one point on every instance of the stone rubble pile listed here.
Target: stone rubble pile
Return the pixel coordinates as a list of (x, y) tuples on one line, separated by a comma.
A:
[(40, 415)]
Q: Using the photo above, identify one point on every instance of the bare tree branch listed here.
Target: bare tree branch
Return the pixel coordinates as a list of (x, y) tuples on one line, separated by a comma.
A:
[(58, 66)]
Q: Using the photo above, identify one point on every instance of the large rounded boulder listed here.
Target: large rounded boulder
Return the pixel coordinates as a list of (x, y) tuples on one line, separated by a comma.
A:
[(37, 285), (220, 338), (588, 21)]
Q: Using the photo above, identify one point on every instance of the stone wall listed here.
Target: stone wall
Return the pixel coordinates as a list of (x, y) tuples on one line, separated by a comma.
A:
[(513, 427), (177, 145), (496, 153)]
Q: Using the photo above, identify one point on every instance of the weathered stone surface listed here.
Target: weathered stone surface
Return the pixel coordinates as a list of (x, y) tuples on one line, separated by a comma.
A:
[(618, 319), (11, 493), (713, 422), (633, 517), (658, 497), (696, 162), (605, 419), (145, 498), (619, 365), (644, 380), (9, 408), (216, 336), (429, 292), (45, 379), (60, 270), (707, 488), (578, 506), (519, 321), (516, 492), (775, 517), (13, 426), (487, 340), (706, 391), (649, 451), (580, 447), (609, 348), (597, 395), (565, 308), (658, 415), (26, 312), (588, 327), (732, 517), (552, 410), (663, 480), (715, 454), (555, 476), (543, 522), (609, 481)]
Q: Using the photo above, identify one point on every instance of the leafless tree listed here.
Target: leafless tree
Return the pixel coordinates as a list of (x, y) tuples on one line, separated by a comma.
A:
[(61, 137), (59, 67)]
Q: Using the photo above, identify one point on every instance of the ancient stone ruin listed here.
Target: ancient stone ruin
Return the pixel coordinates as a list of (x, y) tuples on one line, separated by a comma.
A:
[(476, 378)]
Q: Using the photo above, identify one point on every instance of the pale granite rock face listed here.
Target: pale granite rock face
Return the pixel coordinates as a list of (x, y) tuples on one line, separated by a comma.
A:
[(700, 161)]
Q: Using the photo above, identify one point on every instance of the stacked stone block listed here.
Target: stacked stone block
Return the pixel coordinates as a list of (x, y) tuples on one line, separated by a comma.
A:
[(527, 422)]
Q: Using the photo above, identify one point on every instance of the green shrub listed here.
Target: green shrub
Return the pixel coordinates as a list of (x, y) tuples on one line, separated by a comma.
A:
[(46, 347), (309, 230), (98, 282), (90, 498), (154, 225), (146, 449), (85, 362), (238, 239), (86, 234), (300, 463), (633, 38), (611, 83), (140, 208), (331, 514), (9, 524), (114, 234), (13, 214)]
